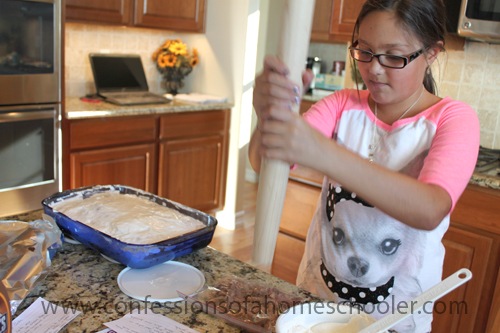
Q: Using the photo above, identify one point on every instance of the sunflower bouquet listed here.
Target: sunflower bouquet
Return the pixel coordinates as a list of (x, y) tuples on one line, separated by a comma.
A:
[(174, 62)]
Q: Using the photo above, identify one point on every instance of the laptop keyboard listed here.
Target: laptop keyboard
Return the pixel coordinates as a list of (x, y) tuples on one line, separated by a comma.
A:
[(137, 98)]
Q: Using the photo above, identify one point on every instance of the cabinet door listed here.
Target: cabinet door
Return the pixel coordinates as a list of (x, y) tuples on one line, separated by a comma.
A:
[(345, 13), (287, 256), (109, 11), (320, 30), (494, 317), (465, 309), (190, 171), (185, 15), (132, 166), (299, 208), (305, 105)]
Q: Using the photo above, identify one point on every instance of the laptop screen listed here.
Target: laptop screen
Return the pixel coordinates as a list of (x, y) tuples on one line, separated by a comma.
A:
[(118, 72)]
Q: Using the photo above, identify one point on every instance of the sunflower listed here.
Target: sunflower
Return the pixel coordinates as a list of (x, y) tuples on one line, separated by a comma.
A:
[(167, 60), (194, 61), (178, 48)]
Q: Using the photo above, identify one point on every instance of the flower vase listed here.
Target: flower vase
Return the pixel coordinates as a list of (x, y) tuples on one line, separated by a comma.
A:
[(172, 86), (173, 79)]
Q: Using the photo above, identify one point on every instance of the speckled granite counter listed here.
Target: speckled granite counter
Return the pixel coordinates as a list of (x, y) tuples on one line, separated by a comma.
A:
[(79, 275), (77, 109), (485, 180)]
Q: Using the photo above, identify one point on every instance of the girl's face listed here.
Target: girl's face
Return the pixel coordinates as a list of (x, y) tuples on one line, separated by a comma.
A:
[(379, 32)]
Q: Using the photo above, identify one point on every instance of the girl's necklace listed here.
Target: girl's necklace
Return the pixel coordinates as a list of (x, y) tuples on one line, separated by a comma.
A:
[(373, 146)]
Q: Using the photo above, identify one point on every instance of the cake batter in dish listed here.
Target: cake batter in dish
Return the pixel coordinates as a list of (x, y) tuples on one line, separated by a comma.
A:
[(128, 218)]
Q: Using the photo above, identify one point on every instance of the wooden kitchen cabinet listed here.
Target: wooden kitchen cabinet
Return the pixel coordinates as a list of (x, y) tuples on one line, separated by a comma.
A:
[(179, 156), (179, 15), (193, 158), (98, 11), (301, 198), (113, 151), (472, 241), (345, 13), (305, 105), (320, 29), (133, 166), (334, 20)]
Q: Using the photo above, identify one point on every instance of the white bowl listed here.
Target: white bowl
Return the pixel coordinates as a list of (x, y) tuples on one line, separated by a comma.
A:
[(321, 317)]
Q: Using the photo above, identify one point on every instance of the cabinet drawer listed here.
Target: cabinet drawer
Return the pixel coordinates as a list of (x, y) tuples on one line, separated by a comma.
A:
[(91, 133), (178, 125), (299, 208), (287, 256)]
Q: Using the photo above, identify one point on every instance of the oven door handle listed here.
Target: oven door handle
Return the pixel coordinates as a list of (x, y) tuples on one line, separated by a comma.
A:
[(10, 117)]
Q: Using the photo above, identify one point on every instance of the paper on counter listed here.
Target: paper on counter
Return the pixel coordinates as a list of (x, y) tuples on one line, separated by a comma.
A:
[(152, 323), (199, 98), (43, 316)]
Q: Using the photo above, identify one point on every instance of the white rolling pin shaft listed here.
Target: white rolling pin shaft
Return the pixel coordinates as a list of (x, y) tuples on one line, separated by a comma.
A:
[(293, 47)]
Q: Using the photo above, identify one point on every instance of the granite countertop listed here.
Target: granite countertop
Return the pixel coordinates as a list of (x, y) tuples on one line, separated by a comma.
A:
[(75, 108), (79, 275), (485, 180)]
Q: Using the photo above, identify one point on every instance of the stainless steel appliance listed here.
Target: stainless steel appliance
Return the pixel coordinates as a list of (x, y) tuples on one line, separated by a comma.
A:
[(30, 103), (480, 20)]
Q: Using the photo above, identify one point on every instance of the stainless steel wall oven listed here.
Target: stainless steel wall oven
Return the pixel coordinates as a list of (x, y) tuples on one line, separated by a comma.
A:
[(30, 103)]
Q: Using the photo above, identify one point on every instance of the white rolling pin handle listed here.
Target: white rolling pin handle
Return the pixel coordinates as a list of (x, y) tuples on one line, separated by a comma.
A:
[(293, 48)]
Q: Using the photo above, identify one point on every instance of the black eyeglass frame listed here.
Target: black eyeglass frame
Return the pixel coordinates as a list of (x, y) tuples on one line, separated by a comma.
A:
[(406, 59)]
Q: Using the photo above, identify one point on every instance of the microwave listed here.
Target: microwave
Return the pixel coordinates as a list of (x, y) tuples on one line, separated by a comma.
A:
[(479, 20)]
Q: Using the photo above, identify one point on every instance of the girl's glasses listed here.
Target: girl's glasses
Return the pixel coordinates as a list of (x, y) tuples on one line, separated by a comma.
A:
[(386, 60)]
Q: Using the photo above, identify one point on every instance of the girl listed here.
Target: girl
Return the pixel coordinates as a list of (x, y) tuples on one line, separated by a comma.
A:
[(396, 158)]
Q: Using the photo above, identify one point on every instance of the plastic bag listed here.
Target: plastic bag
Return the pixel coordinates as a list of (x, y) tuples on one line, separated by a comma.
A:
[(26, 250)]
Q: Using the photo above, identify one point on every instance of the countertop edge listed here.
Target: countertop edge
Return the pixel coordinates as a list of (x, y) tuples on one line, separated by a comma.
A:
[(77, 109), (485, 180)]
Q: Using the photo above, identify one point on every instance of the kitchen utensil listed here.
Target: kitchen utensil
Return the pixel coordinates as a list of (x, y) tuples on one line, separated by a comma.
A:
[(292, 49), (439, 290), (322, 317)]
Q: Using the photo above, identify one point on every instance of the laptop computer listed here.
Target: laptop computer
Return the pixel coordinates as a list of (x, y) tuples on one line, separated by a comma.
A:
[(120, 79)]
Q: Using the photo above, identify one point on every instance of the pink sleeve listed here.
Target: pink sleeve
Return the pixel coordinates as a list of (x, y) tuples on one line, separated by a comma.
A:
[(324, 114), (454, 149)]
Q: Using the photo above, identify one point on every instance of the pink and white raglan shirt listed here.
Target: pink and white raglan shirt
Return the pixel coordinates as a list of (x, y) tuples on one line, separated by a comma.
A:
[(354, 252)]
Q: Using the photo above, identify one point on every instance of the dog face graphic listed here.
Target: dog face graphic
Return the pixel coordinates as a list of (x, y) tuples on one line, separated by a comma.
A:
[(367, 246)]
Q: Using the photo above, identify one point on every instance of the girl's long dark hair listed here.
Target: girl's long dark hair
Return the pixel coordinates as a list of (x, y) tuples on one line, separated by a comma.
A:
[(426, 19)]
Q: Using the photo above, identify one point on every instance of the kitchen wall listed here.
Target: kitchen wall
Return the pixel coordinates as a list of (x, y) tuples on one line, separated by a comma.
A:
[(471, 75), (227, 52)]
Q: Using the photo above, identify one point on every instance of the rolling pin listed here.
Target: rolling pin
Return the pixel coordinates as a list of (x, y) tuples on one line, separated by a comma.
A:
[(273, 179)]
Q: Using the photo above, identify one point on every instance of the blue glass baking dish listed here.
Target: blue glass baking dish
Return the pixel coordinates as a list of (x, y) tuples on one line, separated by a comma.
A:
[(131, 255)]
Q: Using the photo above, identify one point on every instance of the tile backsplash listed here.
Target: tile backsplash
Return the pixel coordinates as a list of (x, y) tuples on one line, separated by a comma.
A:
[(470, 75)]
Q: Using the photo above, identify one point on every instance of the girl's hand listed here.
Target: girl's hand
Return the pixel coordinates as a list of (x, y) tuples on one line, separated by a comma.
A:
[(289, 138), (274, 92), (283, 134)]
